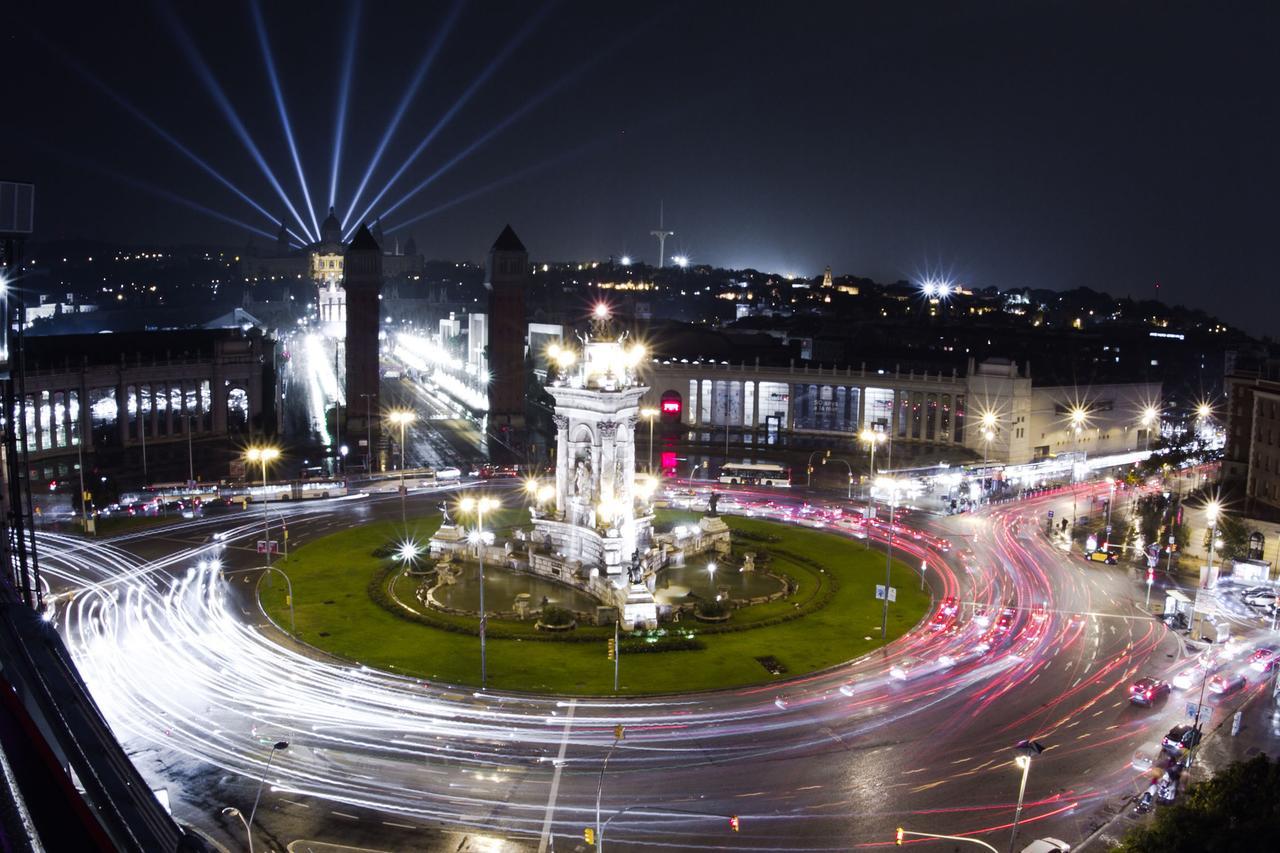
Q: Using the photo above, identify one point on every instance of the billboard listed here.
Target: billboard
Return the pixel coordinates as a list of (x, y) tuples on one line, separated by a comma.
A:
[(17, 207)]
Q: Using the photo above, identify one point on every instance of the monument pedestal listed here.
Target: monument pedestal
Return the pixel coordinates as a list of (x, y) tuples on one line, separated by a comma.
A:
[(448, 539), (640, 608), (714, 533)]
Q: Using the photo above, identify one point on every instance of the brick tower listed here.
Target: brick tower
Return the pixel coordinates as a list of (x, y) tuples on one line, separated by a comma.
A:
[(506, 274), (362, 277)]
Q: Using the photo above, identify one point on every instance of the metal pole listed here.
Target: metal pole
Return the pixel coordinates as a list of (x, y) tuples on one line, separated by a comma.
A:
[(888, 559), (404, 516), (483, 619), (266, 516), (84, 503), (253, 811), (191, 460), (142, 433), (599, 791), (617, 653), (651, 444), (1022, 790)]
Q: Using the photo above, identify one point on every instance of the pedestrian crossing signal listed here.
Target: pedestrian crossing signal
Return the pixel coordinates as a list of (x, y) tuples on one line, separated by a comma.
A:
[(901, 833), (613, 648), (733, 823)]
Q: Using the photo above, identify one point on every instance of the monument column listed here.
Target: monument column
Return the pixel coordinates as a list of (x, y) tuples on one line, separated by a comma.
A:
[(562, 462)]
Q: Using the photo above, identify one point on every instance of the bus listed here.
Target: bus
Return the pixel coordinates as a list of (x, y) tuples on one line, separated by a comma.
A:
[(755, 474), (300, 490)]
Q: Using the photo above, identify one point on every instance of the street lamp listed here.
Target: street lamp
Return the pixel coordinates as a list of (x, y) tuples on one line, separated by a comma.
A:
[(402, 418), (264, 455), (1150, 417), (990, 422), (1111, 499), (1079, 417), (872, 437), (892, 486), (650, 414), (480, 506), (711, 577), (231, 810), (849, 491), (1030, 748)]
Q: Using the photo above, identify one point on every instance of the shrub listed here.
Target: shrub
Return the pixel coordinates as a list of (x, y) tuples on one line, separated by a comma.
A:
[(713, 608), (556, 616)]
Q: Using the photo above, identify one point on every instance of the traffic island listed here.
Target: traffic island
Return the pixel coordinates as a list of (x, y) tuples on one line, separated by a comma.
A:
[(364, 608)]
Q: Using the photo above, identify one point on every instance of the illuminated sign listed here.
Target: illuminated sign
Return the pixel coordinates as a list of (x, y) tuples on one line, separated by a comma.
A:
[(671, 407)]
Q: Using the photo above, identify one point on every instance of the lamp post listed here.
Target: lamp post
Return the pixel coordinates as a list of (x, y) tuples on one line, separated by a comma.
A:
[(191, 459), (1078, 419), (1023, 761), (872, 437), (480, 506), (892, 485), (231, 810), (617, 738), (990, 422), (402, 418), (711, 577), (263, 455), (650, 414), (1150, 417), (693, 473)]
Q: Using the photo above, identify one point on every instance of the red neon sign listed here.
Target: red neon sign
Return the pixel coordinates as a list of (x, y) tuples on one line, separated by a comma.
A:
[(671, 407)]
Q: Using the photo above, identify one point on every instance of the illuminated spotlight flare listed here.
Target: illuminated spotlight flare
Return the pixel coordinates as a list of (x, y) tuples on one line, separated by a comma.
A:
[(177, 199), (260, 26), (416, 81), (681, 261), (344, 90), (443, 121), (159, 131), (224, 104), (626, 260)]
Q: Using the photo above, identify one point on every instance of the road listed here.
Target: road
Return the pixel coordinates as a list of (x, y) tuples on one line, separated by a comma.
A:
[(198, 685)]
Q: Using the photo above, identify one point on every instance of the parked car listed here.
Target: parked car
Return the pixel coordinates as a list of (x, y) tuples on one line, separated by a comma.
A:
[(1047, 845), (1180, 738)]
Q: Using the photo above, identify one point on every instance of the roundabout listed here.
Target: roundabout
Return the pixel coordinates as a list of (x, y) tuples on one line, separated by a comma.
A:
[(198, 684), (816, 609)]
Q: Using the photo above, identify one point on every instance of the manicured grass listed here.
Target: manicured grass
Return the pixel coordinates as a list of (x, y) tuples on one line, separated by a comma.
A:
[(334, 612)]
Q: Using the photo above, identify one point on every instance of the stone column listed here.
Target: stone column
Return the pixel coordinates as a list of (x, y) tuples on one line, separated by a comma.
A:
[(122, 410), (562, 462)]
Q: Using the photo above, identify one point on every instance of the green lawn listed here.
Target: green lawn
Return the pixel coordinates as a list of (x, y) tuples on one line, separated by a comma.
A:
[(334, 612)]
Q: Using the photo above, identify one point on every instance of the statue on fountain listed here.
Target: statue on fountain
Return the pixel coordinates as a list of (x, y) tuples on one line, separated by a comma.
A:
[(712, 502)]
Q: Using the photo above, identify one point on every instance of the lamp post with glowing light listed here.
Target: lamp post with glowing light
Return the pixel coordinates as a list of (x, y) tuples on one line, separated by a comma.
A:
[(1079, 417), (235, 812), (990, 422), (892, 486), (872, 437), (1150, 418), (263, 456), (1030, 748), (402, 418), (480, 506), (650, 414), (711, 578)]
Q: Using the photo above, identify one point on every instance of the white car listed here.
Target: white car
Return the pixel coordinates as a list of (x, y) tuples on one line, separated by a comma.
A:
[(448, 474), (1047, 845), (906, 668), (1260, 599)]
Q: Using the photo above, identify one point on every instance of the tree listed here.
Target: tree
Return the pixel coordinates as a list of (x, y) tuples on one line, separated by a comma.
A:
[(1237, 809), (1234, 537)]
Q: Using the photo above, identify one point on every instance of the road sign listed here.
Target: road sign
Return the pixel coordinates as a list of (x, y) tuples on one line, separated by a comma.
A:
[(1193, 710), (880, 591), (1108, 529), (1051, 513), (271, 545), (893, 593), (1152, 561)]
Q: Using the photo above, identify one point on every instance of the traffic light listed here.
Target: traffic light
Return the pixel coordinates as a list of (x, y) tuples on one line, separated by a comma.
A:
[(898, 839), (733, 823), (618, 732), (613, 648), (589, 835)]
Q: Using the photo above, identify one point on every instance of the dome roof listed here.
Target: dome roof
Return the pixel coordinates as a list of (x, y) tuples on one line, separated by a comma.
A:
[(331, 229)]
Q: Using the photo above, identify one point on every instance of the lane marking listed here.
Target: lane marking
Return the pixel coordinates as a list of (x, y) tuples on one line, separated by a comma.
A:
[(555, 779)]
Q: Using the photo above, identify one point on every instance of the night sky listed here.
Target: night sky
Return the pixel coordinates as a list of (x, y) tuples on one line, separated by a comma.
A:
[(1109, 145)]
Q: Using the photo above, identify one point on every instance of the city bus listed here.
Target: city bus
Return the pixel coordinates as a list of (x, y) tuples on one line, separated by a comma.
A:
[(755, 474)]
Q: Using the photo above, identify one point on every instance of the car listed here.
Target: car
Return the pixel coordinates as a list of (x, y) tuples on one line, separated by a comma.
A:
[(981, 617), (1227, 682), (1077, 619), (1260, 599), (1047, 845), (906, 668), (939, 621), (1188, 677), (847, 688), (1101, 557), (783, 702), (1039, 614), (1263, 659), (1233, 648), (448, 474), (1145, 691), (1141, 761), (949, 606), (1180, 738), (1004, 621), (499, 472)]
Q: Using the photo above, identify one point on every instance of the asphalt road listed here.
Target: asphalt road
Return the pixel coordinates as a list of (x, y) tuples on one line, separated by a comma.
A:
[(198, 685)]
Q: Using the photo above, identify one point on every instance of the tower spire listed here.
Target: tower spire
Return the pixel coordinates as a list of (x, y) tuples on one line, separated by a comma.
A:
[(662, 236)]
